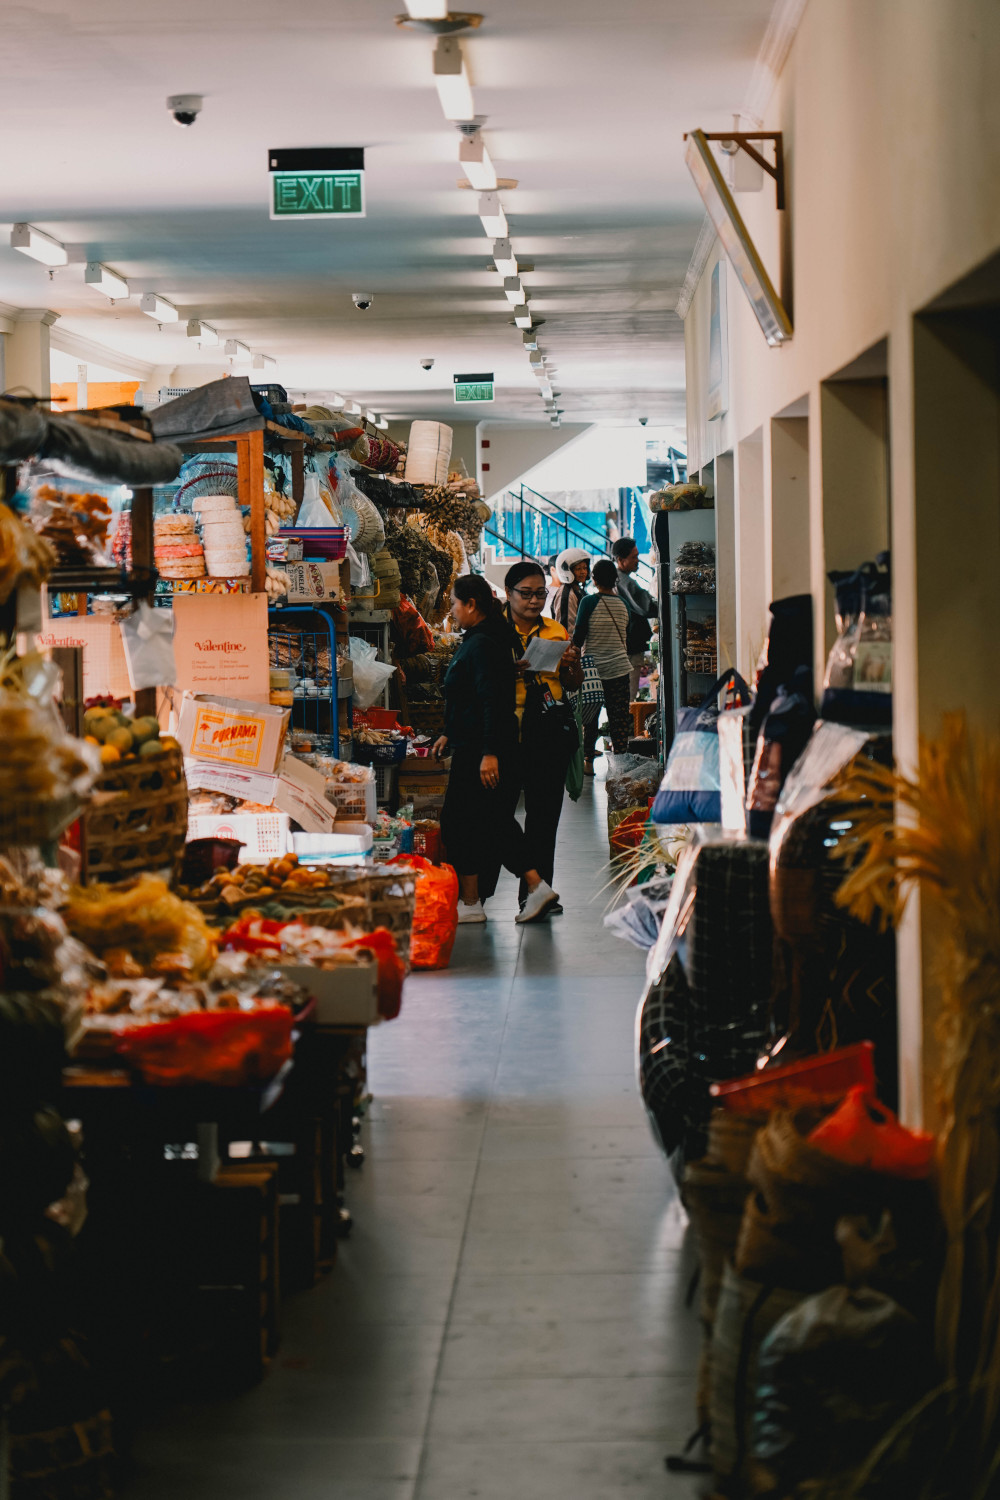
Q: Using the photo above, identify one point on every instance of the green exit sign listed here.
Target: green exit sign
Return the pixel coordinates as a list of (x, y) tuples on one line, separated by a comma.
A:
[(474, 387), (318, 183)]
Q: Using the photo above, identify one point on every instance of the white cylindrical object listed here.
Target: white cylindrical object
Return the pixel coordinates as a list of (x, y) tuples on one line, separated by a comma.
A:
[(428, 453)]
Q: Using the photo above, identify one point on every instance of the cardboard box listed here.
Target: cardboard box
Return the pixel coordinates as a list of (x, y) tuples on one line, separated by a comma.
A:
[(248, 786), (105, 670), (265, 836), (309, 582), (220, 645), (345, 996), (232, 732), (301, 792)]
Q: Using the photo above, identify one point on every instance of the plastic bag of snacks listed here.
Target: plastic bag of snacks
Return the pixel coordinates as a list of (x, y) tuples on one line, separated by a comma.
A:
[(75, 525), (226, 1048), (435, 918)]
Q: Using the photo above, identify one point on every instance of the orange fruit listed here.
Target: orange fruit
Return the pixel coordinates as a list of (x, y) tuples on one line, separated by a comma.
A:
[(109, 755)]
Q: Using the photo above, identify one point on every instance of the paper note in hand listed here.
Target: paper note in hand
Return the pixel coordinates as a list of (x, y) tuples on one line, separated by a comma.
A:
[(544, 656)]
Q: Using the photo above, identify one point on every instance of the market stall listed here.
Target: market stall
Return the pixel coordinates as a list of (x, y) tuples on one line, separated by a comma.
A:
[(193, 926)]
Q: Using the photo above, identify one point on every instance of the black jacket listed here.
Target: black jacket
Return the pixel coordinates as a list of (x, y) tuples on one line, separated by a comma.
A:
[(479, 691)]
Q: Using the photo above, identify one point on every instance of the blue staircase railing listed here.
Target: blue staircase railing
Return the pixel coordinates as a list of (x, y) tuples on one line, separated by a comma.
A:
[(527, 524)]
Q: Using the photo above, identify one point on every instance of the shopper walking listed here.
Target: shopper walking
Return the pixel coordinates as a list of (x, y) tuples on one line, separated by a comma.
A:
[(555, 584), (547, 740), (640, 604), (573, 570), (601, 631), (481, 735)]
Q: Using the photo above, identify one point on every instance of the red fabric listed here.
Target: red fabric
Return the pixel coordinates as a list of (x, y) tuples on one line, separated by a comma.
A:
[(411, 633), (224, 1047), (864, 1133), (435, 918)]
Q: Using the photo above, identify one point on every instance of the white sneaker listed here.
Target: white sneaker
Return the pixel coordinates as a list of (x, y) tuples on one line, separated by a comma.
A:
[(539, 903), (471, 913)]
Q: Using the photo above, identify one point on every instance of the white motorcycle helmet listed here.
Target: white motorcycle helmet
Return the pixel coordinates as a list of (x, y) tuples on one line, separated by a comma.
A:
[(567, 560)]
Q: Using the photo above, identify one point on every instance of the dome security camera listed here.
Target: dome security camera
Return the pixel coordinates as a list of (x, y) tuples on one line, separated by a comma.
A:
[(362, 300), (427, 364), (643, 421), (185, 108)]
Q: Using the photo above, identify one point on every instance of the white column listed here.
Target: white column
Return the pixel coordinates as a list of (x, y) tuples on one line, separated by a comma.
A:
[(27, 353)]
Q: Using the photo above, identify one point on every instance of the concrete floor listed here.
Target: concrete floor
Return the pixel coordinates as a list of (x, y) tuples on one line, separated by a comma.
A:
[(507, 1320)]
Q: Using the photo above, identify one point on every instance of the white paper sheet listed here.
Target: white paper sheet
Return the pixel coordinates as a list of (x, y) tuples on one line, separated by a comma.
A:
[(544, 656)]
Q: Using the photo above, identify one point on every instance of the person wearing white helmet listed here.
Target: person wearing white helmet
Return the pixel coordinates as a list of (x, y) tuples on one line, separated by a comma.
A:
[(573, 570)]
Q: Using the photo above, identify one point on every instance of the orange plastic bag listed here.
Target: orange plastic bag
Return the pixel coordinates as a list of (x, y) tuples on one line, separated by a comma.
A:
[(435, 917), (224, 1047), (864, 1133), (390, 969)]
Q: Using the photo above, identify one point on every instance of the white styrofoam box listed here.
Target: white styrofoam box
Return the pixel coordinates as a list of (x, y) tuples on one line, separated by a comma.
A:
[(345, 996), (355, 800), (352, 843), (265, 836)]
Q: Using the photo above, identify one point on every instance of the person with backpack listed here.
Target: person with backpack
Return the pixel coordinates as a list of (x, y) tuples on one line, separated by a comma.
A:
[(601, 632), (641, 606)]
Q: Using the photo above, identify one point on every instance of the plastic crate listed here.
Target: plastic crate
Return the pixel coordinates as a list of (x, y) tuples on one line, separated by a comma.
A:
[(354, 800), (388, 754), (265, 836)]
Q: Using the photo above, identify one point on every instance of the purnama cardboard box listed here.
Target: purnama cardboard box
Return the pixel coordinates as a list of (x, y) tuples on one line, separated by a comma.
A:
[(311, 581), (232, 732), (220, 645)]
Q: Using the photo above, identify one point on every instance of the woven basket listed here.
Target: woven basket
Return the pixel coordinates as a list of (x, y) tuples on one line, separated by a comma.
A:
[(137, 818), (29, 823), (426, 718), (358, 897)]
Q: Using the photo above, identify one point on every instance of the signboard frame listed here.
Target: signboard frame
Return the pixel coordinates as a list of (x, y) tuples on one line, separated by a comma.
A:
[(462, 383), (323, 171)]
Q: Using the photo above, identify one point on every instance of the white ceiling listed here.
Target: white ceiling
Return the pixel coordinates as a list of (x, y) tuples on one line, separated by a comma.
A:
[(587, 104)]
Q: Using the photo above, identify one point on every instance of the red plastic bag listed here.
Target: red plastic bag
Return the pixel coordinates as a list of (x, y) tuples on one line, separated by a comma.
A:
[(224, 1047), (390, 969), (435, 917), (864, 1133)]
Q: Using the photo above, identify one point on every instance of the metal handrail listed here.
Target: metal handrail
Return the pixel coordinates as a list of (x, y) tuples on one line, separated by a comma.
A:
[(573, 529)]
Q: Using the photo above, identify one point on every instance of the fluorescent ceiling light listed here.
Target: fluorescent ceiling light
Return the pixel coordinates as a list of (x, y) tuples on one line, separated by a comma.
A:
[(536, 358), (522, 317), (513, 290), (493, 218), (504, 258), (474, 159), (334, 398), (530, 339), (206, 335), (452, 80), (428, 10), (103, 279), (264, 362), (238, 352), (158, 308), (382, 423), (353, 408), (371, 416), (39, 245)]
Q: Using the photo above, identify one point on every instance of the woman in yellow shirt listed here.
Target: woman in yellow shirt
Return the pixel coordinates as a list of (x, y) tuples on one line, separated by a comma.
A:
[(547, 739)]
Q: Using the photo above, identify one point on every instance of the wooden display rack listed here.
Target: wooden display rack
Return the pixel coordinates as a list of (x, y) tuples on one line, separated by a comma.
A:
[(249, 448)]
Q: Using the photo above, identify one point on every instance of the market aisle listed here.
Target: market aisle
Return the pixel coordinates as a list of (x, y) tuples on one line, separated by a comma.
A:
[(508, 1317)]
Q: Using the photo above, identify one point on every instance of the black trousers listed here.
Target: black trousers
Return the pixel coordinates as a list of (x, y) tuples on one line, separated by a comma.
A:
[(616, 701), (475, 820), (542, 782)]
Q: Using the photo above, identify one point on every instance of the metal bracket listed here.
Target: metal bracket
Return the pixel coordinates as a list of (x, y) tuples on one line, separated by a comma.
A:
[(777, 171)]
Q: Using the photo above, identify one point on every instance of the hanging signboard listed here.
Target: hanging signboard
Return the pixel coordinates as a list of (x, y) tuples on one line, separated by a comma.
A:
[(322, 182), (474, 387)]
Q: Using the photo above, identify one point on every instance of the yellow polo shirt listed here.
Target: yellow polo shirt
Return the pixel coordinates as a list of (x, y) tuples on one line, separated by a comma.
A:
[(548, 630)]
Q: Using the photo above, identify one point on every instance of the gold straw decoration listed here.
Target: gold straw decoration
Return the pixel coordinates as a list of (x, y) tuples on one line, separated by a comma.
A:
[(941, 833)]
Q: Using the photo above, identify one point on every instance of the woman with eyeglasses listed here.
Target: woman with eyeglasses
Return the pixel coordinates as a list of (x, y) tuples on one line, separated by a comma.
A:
[(547, 739)]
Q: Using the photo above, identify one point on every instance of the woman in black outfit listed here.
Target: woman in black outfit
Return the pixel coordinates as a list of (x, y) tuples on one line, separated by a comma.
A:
[(481, 736)]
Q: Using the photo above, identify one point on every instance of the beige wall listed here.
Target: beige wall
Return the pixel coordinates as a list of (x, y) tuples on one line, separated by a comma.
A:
[(890, 111)]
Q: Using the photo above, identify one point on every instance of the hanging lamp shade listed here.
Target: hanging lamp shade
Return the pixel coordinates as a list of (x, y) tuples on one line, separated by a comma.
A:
[(428, 453)]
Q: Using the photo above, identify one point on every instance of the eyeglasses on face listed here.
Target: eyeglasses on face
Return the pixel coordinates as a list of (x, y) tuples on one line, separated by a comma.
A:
[(530, 593)]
